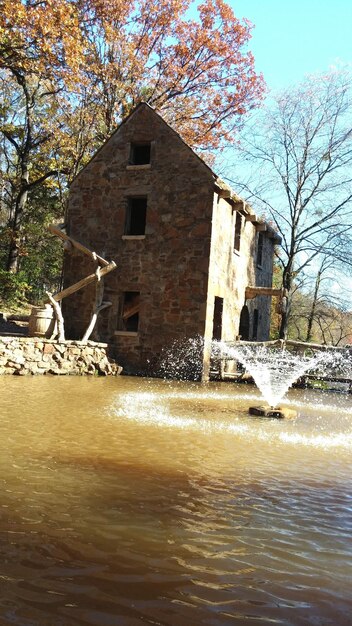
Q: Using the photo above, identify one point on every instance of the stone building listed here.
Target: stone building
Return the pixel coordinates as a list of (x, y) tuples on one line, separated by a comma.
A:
[(187, 248)]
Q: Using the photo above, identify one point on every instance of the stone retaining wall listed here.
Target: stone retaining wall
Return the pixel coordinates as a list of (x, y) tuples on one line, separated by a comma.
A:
[(32, 355)]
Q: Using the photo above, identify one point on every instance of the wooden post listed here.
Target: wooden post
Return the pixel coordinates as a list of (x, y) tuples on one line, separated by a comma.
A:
[(85, 281), (59, 318), (98, 275), (98, 306)]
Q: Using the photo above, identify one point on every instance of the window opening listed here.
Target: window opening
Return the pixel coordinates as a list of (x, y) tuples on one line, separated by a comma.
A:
[(140, 153), (260, 249), (243, 330), (130, 311), (217, 318), (255, 324), (238, 226), (136, 216)]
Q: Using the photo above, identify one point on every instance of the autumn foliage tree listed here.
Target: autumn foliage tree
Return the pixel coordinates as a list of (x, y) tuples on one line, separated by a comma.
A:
[(38, 46), (193, 70), (76, 68)]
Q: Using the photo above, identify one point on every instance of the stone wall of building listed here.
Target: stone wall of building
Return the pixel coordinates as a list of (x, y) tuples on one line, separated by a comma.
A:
[(231, 271), (180, 267), (31, 355), (168, 265)]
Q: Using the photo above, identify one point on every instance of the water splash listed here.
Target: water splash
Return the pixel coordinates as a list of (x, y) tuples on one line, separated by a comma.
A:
[(154, 410), (274, 370), (183, 359)]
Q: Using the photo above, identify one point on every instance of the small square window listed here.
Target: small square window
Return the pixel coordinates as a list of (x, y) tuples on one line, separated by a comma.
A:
[(136, 214), (140, 153)]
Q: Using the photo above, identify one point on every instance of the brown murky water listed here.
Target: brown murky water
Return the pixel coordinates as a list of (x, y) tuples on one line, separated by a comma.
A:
[(127, 502)]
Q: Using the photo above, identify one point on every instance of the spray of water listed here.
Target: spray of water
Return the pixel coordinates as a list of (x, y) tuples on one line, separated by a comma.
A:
[(274, 370), (183, 359)]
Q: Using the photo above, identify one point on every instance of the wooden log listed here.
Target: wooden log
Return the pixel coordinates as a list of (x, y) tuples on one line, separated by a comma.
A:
[(132, 310), (288, 342), (252, 292), (272, 343), (313, 346), (93, 321), (59, 233), (84, 282), (99, 305), (59, 318)]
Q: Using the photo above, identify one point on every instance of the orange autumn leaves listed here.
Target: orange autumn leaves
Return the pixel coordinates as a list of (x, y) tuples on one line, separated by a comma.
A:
[(195, 70)]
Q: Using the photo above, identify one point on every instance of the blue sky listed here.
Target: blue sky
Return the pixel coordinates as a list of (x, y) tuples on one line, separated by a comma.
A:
[(292, 39)]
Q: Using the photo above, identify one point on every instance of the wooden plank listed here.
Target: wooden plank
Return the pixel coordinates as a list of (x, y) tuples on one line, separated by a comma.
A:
[(282, 343), (239, 206), (85, 281), (59, 319), (93, 255), (252, 292), (251, 218), (132, 310)]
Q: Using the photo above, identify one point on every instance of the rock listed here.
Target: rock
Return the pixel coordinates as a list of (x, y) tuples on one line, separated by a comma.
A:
[(272, 412)]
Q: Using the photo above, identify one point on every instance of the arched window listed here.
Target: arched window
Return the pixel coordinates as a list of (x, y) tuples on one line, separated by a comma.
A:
[(244, 323)]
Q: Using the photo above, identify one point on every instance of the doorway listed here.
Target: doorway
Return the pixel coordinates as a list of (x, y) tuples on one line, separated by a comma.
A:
[(244, 324), (217, 318)]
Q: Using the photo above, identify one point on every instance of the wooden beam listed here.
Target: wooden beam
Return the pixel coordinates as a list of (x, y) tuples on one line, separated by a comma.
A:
[(59, 327), (282, 343), (85, 281), (251, 218), (238, 206), (225, 193), (252, 292), (132, 310), (60, 233), (261, 227)]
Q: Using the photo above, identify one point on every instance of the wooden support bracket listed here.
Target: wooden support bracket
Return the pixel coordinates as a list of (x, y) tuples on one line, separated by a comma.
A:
[(59, 322), (60, 233), (252, 292), (85, 281), (103, 268)]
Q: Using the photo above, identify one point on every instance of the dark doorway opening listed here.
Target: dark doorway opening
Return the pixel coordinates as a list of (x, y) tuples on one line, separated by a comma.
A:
[(217, 318), (244, 324)]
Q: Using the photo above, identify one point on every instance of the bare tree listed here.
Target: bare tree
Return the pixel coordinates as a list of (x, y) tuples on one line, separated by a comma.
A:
[(299, 154), (321, 309)]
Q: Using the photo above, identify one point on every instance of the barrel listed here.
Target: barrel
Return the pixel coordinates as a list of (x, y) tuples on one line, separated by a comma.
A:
[(41, 321)]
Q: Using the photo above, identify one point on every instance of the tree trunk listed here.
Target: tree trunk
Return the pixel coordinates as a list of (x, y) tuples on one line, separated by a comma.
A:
[(20, 205), (286, 309), (314, 305)]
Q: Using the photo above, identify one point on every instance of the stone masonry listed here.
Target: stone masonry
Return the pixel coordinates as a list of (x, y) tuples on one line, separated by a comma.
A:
[(181, 265), (29, 355)]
